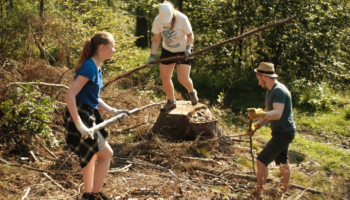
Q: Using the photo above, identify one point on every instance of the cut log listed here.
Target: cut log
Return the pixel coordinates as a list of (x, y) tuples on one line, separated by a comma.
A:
[(187, 122)]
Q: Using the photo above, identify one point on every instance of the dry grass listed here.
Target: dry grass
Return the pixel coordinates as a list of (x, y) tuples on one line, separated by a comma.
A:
[(160, 168)]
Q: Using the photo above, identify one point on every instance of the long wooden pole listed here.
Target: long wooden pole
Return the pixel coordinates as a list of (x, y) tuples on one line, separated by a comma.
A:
[(119, 117), (203, 50)]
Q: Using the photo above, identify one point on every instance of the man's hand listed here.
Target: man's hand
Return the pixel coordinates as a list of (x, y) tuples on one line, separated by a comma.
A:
[(188, 50), (84, 131), (255, 126), (255, 113), (152, 58), (118, 112)]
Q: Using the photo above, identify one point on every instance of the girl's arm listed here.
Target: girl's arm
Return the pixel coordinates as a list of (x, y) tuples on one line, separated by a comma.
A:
[(190, 39), (77, 85), (155, 43), (104, 106)]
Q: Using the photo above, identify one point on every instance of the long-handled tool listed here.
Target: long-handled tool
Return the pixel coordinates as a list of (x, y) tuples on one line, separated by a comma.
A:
[(120, 116), (251, 144)]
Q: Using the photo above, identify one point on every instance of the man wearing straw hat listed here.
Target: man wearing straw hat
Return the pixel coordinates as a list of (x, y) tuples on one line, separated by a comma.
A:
[(278, 110)]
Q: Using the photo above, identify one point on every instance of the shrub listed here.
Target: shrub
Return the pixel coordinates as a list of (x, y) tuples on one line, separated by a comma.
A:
[(312, 96), (347, 112), (26, 113)]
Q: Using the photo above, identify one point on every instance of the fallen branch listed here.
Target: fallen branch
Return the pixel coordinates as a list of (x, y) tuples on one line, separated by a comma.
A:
[(291, 185), (119, 117), (26, 194), (53, 159), (219, 177), (119, 170), (33, 156), (142, 162), (48, 151), (47, 176), (64, 161), (144, 192), (23, 83), (203, 50), (4, 161), (199, 159)]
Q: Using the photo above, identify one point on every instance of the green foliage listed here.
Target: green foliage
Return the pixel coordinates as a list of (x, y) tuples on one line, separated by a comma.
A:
[(347, 112), (63, 29), (312, 96), (26, 112)]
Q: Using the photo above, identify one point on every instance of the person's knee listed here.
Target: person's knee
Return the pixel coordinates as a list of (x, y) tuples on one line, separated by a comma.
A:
[(260, 164), (165, 78), (183, 79)]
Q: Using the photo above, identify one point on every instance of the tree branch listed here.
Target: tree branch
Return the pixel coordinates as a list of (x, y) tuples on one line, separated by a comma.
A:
[(203, 50)]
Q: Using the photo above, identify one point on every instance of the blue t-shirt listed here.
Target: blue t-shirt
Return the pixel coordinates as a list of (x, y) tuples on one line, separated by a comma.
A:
[(90, 93)]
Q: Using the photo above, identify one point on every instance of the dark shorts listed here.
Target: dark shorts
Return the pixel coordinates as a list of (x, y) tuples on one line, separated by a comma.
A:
[(168, 54), (276, 149)]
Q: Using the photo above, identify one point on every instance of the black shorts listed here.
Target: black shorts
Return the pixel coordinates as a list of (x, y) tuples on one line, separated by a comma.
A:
[(276, 149), (168, 54)]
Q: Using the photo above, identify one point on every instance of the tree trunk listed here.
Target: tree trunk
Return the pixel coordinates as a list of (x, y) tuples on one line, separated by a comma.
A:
[(2, 27), (187, 122), (180, 5), (141, 30), (42, 53)]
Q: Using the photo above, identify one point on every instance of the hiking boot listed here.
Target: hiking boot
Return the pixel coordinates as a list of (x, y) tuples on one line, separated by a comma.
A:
[(100, 196), (169, 105), (86, 196), (193, 97)]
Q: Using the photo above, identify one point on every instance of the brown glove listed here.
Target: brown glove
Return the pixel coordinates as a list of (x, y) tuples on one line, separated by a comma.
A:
[(251, 132), (255, 113)]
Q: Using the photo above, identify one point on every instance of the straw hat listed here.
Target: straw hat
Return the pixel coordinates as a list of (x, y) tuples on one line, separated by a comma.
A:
[(267, 69)]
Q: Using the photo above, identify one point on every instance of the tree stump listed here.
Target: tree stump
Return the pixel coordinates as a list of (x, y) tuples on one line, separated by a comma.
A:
[(187, 122)]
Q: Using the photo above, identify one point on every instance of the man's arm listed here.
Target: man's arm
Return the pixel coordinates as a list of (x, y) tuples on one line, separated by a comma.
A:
[(276, 113)]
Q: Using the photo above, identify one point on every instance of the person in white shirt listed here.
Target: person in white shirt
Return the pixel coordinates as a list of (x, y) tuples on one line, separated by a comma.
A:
[(176, 31)]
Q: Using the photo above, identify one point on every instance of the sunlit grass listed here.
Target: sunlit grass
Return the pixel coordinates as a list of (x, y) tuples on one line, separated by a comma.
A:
[(334, 122), (13, 170)]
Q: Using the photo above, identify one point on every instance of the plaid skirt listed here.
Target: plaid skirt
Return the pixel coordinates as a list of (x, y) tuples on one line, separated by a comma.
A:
[(84, 148)]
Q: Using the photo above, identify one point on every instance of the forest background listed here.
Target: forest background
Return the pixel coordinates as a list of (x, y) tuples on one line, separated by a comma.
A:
[(311, 55)]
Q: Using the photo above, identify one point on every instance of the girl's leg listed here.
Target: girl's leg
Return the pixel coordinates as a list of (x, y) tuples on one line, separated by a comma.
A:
[(166, 72), (183, 74), (101, 167), (88, 174)]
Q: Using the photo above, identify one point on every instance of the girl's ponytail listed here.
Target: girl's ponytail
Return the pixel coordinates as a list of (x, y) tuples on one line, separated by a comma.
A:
[(85, 54), (91, 46)]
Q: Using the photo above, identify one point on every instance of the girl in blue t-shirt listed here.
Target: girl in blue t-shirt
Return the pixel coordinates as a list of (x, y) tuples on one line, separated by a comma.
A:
[(83, 99)]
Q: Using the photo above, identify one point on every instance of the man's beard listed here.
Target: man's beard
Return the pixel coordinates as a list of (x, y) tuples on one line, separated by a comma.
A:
[(264, 86)]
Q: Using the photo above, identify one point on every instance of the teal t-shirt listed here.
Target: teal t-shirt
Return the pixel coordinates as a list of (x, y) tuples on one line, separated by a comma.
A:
[(280, 94), (90, 93)]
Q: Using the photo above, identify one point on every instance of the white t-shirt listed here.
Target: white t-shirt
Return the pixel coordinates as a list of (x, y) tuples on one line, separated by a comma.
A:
[(174, 41)]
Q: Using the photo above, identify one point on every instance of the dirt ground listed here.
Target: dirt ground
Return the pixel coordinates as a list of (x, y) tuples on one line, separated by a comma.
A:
[(144, 166)]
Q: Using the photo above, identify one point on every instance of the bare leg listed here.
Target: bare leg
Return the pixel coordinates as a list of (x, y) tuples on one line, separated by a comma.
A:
[(285, 176), (88, 174), (101, 168), (261, 176), (166, 72), (183, 74)]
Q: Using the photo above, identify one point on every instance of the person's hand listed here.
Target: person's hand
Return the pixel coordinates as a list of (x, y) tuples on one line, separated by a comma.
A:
[(118, 112), (255, 126), (84, 131), (152, 58), (255, 113), (188, 50)]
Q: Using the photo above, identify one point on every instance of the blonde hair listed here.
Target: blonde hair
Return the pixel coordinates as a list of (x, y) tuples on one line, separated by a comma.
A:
[(91, 45), (174, 15)]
